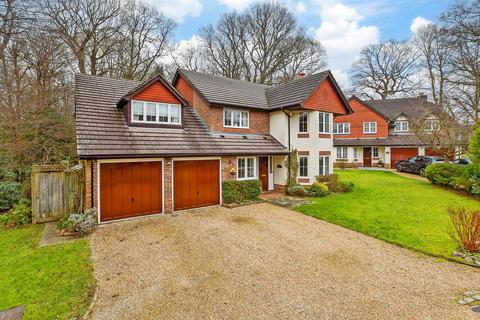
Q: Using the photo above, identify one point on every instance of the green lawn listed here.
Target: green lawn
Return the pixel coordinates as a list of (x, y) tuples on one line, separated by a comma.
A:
[(401, 210), (52, 282)]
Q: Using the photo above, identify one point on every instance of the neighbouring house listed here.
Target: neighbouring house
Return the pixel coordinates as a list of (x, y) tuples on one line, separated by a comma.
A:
[(161, 147), (380, 131)]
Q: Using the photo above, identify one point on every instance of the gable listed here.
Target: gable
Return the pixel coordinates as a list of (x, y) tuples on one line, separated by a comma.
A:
[(156, 92), (185, 89), (360, 112), (326, 98)]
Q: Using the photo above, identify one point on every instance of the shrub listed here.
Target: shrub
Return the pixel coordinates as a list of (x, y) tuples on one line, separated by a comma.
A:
[(466, 223), (318, 189), (20, 215), (78, 224), (241, 191), (10, 194), (343, 187), (446, 174), (296, 191)]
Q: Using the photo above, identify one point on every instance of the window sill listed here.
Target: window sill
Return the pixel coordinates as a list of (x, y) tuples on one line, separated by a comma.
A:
[(303, 135), (303, 180), (244, 179), (325, 135)]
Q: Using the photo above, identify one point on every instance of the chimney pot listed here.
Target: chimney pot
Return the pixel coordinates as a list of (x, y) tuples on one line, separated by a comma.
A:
[(301, 75), (422, 96)]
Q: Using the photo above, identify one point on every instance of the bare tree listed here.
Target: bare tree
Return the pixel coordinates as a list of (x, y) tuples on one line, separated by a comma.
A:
[(385, 70), (143, 38), (265, 44), (88, 27)]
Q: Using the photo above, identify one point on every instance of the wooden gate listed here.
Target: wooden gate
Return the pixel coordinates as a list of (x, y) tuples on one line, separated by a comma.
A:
[(56, 191)]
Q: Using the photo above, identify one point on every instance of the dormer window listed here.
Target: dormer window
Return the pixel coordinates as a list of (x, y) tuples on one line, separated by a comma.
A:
[(401, 126), (153, 112), (235, 119)]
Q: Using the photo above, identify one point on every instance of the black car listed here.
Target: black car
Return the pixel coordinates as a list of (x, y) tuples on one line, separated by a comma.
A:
[(417, 164)]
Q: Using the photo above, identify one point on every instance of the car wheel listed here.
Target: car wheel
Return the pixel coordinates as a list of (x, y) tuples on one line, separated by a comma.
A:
[(399, 168), (422, 172)]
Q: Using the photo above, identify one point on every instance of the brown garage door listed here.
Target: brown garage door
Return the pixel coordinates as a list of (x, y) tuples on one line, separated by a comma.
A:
[(130, 189), (401, 154), (431, 152), (196, 183)]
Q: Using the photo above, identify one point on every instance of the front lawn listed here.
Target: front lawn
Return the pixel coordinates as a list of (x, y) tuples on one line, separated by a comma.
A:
[(401, 210), (53, 282)]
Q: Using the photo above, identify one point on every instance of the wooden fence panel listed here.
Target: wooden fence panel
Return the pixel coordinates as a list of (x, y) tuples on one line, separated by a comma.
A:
[(56, 191)]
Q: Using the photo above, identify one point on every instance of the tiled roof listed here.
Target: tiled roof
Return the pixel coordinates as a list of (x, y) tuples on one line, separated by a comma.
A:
[(411, 107), (225, 91), (391, 140), (102, 129), (294, 92)]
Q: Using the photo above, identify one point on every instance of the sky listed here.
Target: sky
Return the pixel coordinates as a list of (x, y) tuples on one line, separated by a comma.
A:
[(343, 27)]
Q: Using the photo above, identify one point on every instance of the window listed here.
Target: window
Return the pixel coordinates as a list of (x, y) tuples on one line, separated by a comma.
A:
[(355, 153), (375, 152), (246, 168), (324, 122), (303, 167), (401, 126), (303, 122), (341, 128), (431, 125), (152, 112), (369, 127), (342, 153), (235, 118), (324, 166)]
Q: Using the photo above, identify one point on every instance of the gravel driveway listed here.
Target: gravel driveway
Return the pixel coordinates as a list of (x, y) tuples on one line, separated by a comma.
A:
[(266, 262)]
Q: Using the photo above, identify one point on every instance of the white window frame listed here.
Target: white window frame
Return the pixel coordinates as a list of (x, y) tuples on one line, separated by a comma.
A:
[(246, 167), (345, 128), (299, 167), (399, 126), (369, 125), (157, 104), (225, 110), (355, 153), (326, 165), (343, 152), (300, 121), (325, 128), (377, 151)]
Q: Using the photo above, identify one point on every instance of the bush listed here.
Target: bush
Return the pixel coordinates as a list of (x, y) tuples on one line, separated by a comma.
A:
[(78, 224), (20, 215), (318, 189), (343, 187), (446, 174), (241, 191), (466, 223), (296, 191), (10, 194)]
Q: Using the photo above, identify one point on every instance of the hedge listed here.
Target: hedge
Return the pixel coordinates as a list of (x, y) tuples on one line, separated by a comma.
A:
[(444, 173), (241, 190)]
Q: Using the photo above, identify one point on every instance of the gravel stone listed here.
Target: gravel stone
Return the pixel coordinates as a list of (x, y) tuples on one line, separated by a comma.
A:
[(266, 262)]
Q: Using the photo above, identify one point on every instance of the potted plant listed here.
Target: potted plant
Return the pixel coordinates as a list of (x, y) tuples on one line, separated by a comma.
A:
[(380, 163)]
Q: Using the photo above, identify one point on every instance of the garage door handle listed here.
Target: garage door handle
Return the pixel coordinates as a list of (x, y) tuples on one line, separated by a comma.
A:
[(133, 199)]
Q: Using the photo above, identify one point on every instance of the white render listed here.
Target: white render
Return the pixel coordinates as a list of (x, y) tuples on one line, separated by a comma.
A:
[(313, 144)]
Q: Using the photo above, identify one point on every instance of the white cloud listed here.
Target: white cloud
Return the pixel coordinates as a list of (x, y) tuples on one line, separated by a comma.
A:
[(418, 23), (179, 9), (300, 7), (238, 5), (181, 47), (342, 35)]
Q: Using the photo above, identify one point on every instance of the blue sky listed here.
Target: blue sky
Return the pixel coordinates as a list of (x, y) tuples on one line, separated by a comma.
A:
[(343, 27)]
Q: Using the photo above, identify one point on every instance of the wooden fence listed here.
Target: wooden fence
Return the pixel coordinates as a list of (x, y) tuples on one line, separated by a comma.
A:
[(56, 191)]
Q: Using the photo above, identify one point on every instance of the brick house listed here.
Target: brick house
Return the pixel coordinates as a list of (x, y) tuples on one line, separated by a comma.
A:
[(380, 130), (157, 147)]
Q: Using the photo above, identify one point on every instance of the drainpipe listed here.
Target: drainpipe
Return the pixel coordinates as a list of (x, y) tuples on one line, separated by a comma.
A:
[(92, 202), (289, 156)]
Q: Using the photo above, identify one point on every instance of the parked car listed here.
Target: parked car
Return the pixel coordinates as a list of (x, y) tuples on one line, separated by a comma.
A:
[(464, 161), (417, 164)]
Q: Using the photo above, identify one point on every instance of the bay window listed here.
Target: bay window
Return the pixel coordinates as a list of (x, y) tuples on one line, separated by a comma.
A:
[(153, 112)]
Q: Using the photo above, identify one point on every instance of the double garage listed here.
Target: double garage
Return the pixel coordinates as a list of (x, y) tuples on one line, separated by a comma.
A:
[(136, 188), (397, 154)]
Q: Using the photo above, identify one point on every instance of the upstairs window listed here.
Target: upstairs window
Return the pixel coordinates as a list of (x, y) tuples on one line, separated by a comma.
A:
[(324, 122), (341, 128), (401, 126), (431, 125), (303, 122), (369, 127), (153, 112), (235, 119)]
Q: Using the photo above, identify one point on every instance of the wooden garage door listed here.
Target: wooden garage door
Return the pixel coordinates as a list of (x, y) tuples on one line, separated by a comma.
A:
[(196, 183), (130, 189), (431, 152), (401, 154)]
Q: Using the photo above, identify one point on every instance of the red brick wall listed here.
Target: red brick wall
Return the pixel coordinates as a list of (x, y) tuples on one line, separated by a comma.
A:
[(227, 164), (185, 89), (87, 203), (259, 121), (326, 99), (167, 180), (362, 114), (156, 92)]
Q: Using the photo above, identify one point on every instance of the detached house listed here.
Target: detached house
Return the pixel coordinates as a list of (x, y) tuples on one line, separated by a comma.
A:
[(160, 147), (380, 131)]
